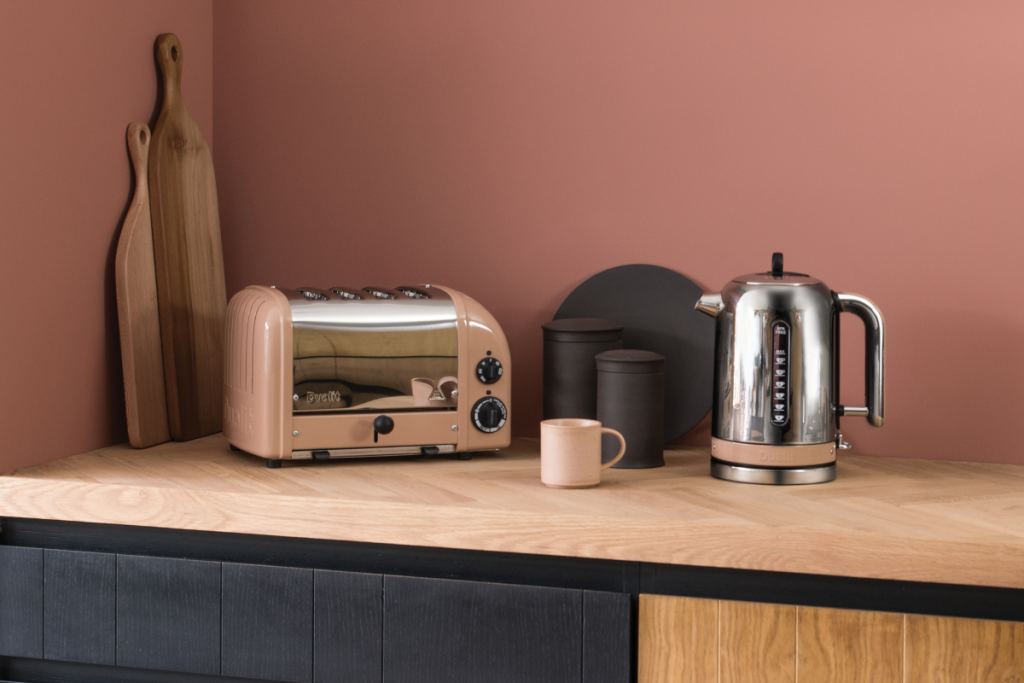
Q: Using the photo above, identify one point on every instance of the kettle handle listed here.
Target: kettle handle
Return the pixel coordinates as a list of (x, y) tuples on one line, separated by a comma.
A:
[(874, 361)]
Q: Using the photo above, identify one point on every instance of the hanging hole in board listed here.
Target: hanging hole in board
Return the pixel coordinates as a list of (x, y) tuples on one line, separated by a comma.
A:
[(174, 53), (142, 136)]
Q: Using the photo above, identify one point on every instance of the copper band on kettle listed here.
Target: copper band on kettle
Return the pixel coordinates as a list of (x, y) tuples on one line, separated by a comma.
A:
[(766, 455)]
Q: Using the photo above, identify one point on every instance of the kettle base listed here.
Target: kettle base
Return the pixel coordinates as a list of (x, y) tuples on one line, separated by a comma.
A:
[(777, 476)]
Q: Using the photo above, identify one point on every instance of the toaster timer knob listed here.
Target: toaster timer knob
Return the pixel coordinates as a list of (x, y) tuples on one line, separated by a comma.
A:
[(489, 414), (489, 370)]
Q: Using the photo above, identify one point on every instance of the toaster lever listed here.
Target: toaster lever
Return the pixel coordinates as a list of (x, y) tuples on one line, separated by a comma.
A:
[(382, 425)]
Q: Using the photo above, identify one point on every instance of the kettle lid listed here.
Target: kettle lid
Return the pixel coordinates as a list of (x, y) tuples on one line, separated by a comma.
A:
[(777, 276)]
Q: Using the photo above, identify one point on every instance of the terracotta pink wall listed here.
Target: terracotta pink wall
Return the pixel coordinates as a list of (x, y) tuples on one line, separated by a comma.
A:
[(74, 75), (513, 149)]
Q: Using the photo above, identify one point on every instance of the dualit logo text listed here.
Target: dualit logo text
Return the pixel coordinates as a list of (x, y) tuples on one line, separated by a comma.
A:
[(329, 397)]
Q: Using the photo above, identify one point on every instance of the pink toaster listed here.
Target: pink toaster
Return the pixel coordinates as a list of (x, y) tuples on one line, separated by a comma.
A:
[(340, 373)]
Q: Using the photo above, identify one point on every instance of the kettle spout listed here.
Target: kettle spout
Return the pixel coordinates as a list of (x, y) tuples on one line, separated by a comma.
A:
[(710, 303)]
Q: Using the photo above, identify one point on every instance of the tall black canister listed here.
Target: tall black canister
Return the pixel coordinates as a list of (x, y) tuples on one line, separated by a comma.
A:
[(570, 371), (631, 400)]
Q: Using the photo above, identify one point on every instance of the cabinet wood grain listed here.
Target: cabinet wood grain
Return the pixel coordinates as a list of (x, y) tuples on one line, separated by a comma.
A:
[(268, 623), (849, 646), (945, 650), (348, 614), (781, 643), (607, 634), (678, 640), (440, 631), (79, 606), (21, 601), (757, 643), (168, 614)]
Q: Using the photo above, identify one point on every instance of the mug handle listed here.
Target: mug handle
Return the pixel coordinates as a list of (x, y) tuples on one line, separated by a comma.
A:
[(622, 451)]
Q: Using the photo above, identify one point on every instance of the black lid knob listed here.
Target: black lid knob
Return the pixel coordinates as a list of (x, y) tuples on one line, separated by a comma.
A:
[(384, 424), (777, 268)]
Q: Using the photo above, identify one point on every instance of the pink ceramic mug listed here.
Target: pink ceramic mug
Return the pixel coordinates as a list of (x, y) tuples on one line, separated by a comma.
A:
[(570, 453)]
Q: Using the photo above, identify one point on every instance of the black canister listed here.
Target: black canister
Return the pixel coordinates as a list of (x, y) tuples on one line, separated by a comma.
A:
[(570, 371), (631, 400)]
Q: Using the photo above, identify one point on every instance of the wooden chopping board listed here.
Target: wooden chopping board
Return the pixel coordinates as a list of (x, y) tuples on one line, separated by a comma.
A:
[(137, 316), (189, 260)]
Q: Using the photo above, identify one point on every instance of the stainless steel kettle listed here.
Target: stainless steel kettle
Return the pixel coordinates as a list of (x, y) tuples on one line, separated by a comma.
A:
[(775, 417)]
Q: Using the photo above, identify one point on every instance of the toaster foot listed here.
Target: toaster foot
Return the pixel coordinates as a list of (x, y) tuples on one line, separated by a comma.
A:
[(465, 456), (273, 463)]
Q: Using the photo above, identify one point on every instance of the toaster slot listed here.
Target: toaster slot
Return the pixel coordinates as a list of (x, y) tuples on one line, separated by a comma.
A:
[(381, 292), (313, 294), (413, 293), (346, 293)]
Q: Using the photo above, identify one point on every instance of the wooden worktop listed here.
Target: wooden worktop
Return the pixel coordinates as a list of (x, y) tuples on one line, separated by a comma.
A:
[(882, 518)]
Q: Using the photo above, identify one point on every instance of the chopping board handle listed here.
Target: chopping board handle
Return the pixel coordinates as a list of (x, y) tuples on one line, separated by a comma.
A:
[(138, 148), (170, 57)]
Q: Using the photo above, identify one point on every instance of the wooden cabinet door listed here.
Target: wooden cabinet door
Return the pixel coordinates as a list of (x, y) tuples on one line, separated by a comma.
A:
[(946, 650), (168, 614), (348, 623), (688, 640), (21, 602), (757, 643), (79, 606), (678, 640), (607, 637), (440, 631), (268, 623), (849, 646)]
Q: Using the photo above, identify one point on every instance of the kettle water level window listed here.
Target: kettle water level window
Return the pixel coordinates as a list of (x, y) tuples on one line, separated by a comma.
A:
[(780, 374)]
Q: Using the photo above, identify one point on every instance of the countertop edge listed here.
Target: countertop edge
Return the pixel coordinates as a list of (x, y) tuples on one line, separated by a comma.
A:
[(806, 551)]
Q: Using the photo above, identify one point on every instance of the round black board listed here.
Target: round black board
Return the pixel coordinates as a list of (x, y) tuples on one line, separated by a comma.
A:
[(656, 306)]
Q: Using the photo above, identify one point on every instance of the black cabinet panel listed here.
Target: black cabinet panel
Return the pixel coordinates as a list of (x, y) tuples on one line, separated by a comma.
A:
[(79, 606), (369, 558), (21, 602), (268, 623), (607, 637), (168, 614), (462, 632), (348, 612)]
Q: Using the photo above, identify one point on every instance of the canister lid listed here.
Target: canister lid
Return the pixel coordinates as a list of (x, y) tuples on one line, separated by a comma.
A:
[(630, 361), (582, 330)]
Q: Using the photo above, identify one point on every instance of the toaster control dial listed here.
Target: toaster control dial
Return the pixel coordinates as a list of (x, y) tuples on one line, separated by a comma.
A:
[(489, 370), (489, 414)]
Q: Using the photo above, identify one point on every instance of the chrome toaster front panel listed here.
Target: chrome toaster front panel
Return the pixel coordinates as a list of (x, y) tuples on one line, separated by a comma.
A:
[(364, 354)]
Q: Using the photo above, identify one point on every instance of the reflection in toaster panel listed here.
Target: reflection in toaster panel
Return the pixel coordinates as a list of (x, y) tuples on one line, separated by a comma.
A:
[(365, 367)]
